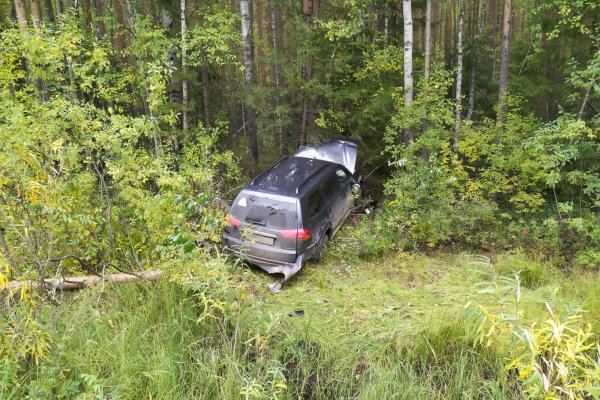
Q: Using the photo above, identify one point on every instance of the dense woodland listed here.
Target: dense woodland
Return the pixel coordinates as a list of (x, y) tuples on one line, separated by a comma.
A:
[(124, 127)]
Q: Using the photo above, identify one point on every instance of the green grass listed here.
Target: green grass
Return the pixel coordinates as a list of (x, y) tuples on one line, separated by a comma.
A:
[(386, 329)]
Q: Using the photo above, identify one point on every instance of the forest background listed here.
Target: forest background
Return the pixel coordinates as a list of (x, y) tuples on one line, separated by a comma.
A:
[(124, 125)]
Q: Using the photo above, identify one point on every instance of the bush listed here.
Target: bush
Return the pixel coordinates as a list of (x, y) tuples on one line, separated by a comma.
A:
[(523, 183)]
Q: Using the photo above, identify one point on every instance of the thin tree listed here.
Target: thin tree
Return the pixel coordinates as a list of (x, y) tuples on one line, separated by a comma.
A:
[(408, 73), (100, 26), (21, 12), (586, 98), (59, 9), (87, 11), (36, 12), (427, 43), (276, 44), (493, 20), (48, 10), (248, 61), (309, 8), (471, 103), (448, 37), (503, 79), (424, 151), (184, 87), (120, 38), (459, 74)]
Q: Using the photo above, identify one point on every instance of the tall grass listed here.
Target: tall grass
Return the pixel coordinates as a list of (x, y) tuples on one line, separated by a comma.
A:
[(144, 340)]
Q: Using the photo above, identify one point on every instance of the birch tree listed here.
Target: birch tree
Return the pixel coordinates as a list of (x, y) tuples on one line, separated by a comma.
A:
[(408, 50), (184, 88), (248, 61), (21, 12), (503, 79), (459, 71), (408, 73)]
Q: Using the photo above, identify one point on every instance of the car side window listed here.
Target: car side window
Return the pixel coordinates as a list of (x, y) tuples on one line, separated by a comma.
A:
[(315, 204), (343, 178), (328, 188)]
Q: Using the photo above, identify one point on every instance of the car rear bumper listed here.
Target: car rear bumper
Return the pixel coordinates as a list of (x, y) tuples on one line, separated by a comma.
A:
[(269, 258)]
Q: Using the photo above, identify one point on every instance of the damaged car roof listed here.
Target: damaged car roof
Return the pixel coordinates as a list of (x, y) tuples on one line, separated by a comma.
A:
[(289, 175), (340, 151)]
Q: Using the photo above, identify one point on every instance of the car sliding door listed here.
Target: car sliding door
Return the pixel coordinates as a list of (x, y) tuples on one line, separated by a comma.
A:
[(332, 198), (345, 198)]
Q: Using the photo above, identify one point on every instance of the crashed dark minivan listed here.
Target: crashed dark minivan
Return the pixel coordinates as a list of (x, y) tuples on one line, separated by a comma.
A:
[(287, 214)]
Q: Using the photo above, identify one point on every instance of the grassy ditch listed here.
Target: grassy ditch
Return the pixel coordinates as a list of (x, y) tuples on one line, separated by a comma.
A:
[(388, 329)]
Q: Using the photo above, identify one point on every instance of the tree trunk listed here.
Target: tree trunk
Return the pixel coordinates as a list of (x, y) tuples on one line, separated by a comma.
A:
[(36, 12), (493, 36), (408, 73), (119, 35), (248, 60), (386, 26), (309, 9), (58, 8), (184, 87), (48, 10), (205, 94), (87, 11), (477, 45), (435, 27), (427, 43), (275, 17), (80, 282), (260, 29), (425, 123), (585, 100), (503, 79), (448, 37), (21, 15), (100, 27), (459, 74)]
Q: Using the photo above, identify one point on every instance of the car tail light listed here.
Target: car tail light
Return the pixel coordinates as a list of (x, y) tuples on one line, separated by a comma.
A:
[(300, 234), (232, 221)]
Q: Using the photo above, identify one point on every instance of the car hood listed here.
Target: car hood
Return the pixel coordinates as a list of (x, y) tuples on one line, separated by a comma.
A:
[(339, 151)]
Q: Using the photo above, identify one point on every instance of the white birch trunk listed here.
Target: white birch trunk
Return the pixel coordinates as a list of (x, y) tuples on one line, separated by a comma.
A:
[(459, 69), (184, 87), (248, 61), (408, 50)]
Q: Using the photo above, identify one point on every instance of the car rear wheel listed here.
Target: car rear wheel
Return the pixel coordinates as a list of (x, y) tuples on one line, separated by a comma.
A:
[(320, 247)]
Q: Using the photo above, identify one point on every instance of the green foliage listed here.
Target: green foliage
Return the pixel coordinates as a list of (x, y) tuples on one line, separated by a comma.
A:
[(214, 38), (495, 185), (553, 358), (86, 186)]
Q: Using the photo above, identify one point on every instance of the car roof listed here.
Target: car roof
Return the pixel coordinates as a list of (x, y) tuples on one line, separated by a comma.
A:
[(291, 176)]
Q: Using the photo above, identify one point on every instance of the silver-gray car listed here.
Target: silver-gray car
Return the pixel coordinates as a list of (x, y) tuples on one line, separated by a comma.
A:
[(288, 213)]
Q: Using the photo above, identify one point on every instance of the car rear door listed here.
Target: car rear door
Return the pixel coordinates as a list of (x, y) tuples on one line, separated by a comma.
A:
[(344, 198), (316, 214)]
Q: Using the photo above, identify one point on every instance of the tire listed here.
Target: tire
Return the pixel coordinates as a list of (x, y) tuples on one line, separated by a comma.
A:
[(320, 247)]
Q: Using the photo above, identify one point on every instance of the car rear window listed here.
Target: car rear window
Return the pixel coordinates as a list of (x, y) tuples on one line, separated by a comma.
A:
[(264, 211)]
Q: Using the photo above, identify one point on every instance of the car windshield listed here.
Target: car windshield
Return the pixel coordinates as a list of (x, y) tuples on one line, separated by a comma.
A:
[(265, 211)]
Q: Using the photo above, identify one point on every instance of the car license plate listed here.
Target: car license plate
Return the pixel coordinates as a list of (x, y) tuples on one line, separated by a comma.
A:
[(262, 239)]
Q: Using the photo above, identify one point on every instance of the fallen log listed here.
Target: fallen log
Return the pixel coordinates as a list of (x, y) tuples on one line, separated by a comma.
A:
[(80, 282)]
